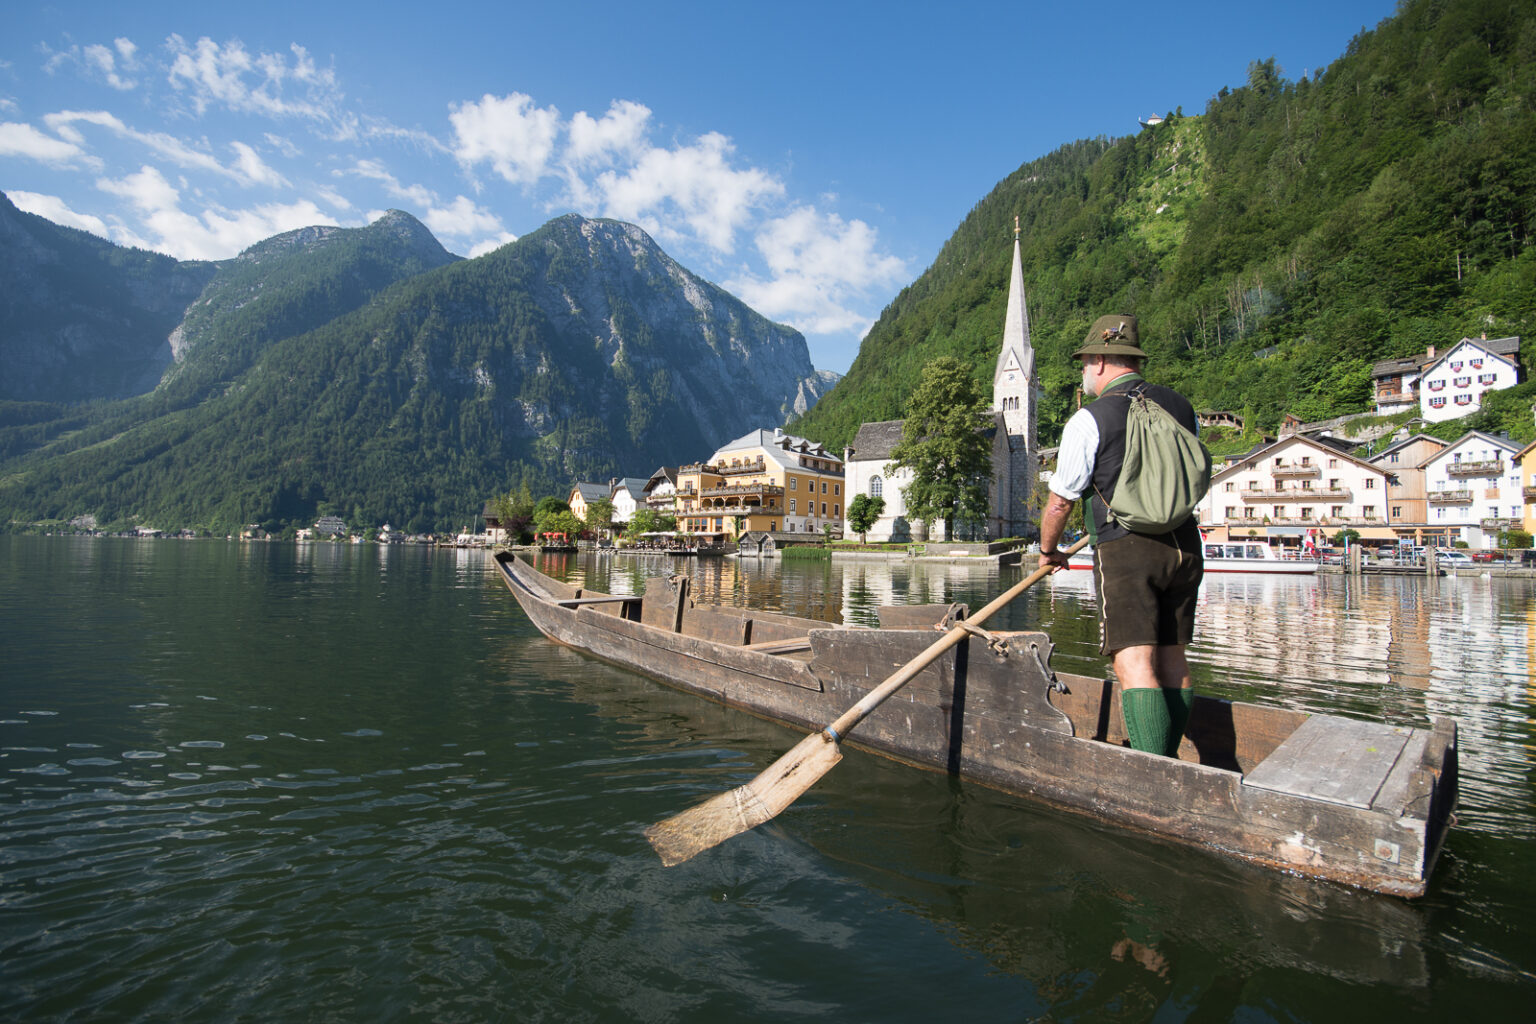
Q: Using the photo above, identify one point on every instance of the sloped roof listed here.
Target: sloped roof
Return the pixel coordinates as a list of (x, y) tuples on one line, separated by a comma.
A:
[(666, 474), (1505, 443), (1405, 442), (590, 492), (874, 441), (775, 441), (633, 484)]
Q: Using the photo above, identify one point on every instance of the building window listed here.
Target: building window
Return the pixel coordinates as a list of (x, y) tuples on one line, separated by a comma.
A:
[(791, 506), (876, 485), (835, 490), (1397, 511), (1231, 512), (823, 510), (794, 483), (823, 487), (1370, 483), (837, 512), (1230, 485)]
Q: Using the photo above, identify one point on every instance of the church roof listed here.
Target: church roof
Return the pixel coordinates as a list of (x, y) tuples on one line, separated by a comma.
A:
[(874, 441)]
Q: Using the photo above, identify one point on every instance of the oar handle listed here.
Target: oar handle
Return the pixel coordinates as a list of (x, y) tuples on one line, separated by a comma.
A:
[(874, 698)]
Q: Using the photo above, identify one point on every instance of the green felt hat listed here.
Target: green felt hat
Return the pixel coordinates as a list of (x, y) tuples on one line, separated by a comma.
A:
[(1114, 335)]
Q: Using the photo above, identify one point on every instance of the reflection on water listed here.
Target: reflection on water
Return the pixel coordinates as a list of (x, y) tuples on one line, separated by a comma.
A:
[(277, 782)]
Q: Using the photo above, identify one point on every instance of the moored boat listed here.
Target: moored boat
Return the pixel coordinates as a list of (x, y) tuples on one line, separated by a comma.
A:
[(1361, 803), (1234, 556)]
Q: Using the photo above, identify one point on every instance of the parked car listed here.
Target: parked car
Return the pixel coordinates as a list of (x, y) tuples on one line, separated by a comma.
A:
[(1528, 557), (1449, 556)]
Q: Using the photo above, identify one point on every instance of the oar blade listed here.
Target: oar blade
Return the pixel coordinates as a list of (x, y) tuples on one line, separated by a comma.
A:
[(717, 819)]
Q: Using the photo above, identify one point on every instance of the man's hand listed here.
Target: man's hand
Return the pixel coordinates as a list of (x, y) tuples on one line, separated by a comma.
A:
[(1055, 560)]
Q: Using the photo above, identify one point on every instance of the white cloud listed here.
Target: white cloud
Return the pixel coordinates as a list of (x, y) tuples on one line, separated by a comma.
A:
[(55, 209), (253, 169), (694, 182), (461, 219), (105, 62), (214, 233), (247, 169), (819, 268), (283, 145), (491, 244), (509, 132), (230, 76), (26, 141), (619, 132), (420, 195)]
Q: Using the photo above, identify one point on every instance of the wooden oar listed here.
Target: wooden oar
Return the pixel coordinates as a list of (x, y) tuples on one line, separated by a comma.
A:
[(717, 819)]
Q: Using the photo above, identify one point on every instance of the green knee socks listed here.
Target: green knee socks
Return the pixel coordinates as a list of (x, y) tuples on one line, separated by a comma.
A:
[(1155, 718), (1179, 702)]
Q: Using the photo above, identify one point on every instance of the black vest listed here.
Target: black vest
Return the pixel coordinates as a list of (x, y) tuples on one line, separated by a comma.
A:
[(1110, 411)]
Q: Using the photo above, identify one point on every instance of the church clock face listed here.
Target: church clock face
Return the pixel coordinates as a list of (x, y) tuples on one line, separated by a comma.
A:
[(1012, 377)]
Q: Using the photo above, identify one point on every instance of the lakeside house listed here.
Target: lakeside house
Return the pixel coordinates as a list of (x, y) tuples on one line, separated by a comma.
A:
[(761, 482), (1525, 460), (1407, 499), (1473, 490), (627, 495), (1293, 490), (660, 490), (1445, 385), (583, 494)]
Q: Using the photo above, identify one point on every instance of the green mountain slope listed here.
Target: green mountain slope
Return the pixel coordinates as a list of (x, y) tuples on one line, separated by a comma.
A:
[(581, 350), (1273, 247)]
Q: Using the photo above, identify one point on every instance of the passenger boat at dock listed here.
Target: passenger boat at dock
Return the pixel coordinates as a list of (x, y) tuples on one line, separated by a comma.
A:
[(1234, 556), (1356, 802)]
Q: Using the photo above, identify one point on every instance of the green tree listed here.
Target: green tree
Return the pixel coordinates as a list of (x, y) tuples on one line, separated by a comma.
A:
[(547, 510), (943, 445), (600, 516), (864, 512), (562, 522)]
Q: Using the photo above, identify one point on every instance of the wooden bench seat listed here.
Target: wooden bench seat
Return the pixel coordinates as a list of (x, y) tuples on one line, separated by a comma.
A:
[(1339, 760)]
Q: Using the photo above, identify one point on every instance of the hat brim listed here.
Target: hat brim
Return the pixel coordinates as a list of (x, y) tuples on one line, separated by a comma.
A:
[(1111, 349)]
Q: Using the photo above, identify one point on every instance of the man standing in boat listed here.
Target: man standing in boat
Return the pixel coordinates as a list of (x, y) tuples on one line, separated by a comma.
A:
[(1147, 583)]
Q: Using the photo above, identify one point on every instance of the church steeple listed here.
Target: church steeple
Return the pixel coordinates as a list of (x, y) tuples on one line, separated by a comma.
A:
[(1013, 391)]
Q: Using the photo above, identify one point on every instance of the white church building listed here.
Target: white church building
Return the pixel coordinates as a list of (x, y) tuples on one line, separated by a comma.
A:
[(1015, 399)]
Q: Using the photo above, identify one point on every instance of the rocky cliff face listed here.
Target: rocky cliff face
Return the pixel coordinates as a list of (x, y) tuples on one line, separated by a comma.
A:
[(657, 327), (84, 319)]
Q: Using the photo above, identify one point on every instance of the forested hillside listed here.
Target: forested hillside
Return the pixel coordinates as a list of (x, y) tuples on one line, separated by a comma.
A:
[(367, 373), (1273, 247)]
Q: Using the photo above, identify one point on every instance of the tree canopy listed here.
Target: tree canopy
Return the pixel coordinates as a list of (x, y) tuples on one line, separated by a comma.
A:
[(944, 444)]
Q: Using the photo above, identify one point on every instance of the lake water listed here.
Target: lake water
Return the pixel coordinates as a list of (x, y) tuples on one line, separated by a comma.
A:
[(310, 783)]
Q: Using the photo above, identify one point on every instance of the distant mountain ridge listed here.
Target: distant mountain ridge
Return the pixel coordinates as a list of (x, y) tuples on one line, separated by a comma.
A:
[(370, 373), (82, 318)]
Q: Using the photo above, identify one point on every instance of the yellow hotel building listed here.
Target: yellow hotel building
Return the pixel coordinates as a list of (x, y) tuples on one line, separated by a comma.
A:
[(1525, 466), (770, 480)]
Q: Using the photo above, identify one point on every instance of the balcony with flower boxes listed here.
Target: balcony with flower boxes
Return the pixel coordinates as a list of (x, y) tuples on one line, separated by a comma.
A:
[(1486, 467), (1529, 494), (1296, 494), (1295, 470), (1450, 497), (738, 468), (743, 498), (1497, 523)]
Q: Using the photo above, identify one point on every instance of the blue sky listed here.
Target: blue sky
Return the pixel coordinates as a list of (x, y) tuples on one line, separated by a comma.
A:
[(809, 157)]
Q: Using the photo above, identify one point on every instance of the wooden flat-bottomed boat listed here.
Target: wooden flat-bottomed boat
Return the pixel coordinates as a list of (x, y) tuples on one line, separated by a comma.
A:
[(1359, 803)]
